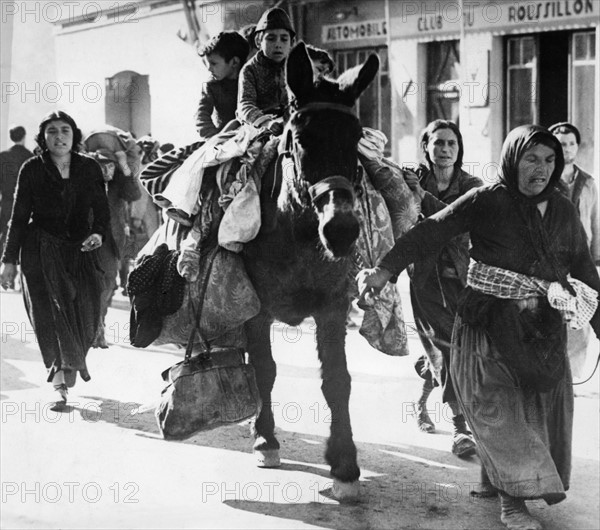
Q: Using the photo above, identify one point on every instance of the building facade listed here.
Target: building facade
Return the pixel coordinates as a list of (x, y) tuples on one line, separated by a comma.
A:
[(130, 64), (490, 65)]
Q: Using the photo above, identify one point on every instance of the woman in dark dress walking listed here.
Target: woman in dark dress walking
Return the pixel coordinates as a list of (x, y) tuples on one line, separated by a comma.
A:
[(437, 280), (60, 217)]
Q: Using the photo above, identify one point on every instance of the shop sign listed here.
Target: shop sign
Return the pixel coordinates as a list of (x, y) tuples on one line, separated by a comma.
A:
[(367, 29), (427, 19), (549, 10)]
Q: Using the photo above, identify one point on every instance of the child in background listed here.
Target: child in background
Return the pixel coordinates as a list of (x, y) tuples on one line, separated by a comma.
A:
[(262, 94), (248, 33), (224, 56), (322, 63)]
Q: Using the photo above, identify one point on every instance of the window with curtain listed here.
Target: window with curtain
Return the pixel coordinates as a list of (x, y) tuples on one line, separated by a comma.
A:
[(443, 81)]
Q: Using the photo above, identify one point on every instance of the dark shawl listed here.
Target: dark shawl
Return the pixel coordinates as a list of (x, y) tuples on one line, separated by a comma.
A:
[(508, 231), (532, 342)]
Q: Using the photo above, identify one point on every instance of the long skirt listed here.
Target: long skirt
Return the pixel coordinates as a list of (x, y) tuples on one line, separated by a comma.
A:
[(61, 288), (434, 307), (523, 436)]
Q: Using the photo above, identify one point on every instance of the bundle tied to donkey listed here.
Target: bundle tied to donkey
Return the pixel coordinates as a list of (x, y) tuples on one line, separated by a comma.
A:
[(386, 210), (213, 385), (221, 284)]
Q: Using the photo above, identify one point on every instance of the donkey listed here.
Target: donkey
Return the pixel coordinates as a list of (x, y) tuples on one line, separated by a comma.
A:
[(299, 263)]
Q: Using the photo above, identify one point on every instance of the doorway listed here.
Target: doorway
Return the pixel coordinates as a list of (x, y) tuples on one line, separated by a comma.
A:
[(127, 103)]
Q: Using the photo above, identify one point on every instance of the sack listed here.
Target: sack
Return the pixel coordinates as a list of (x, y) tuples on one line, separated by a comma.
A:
[(229, 300), (383, 323), (204, 393), (241, 221), (115, 140)]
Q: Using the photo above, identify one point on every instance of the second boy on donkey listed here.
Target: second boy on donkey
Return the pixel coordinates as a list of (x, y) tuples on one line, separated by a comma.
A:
[(262, 101), (224, 56)]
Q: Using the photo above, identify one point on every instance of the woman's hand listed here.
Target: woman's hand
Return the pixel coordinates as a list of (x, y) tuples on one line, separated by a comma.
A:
[(412, 179), (371, 281), (93, 242), (8, 272)]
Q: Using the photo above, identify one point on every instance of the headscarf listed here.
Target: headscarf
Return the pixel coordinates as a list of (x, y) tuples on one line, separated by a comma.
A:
[(517, 142)]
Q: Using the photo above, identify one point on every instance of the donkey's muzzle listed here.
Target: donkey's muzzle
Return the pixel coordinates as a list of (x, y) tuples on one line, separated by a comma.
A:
[(340, 232)]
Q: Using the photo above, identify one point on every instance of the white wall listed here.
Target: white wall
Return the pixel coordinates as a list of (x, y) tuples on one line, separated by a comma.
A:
[(406, 91), (476, 125), (149, 46), (28, 65)]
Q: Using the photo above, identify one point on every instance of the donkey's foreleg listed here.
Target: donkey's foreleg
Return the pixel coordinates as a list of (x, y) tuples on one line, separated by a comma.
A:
[(266, 446), (341, 451)]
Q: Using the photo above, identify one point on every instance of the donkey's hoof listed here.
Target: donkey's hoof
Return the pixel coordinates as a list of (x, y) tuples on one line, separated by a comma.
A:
[(346, 491), (267, 458)]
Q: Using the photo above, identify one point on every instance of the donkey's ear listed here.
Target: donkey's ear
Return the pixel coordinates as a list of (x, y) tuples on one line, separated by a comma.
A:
[(355, 80), (299, 72)]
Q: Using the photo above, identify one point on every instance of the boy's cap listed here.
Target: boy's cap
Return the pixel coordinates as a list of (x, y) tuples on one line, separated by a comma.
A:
[(275, 18)]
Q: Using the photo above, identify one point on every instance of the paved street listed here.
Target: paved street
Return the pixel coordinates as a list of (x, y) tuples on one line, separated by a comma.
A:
[(103, 463)]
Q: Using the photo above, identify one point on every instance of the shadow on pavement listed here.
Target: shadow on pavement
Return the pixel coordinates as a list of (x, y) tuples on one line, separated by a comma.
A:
[(17, 350), (402, 486)]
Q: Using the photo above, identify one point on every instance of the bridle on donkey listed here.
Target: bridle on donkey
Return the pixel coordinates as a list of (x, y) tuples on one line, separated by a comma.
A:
[(334, 182)]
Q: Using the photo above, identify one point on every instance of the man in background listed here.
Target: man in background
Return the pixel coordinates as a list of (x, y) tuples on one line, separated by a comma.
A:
[(582, 190), (11, 161)]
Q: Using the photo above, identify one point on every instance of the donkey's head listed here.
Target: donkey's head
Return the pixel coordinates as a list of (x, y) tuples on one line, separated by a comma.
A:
[(322, 138)]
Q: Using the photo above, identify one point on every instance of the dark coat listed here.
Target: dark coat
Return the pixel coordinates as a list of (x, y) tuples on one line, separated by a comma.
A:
[(455, 253), (218, 101), (60, 207), (61, 284), (11, 161)]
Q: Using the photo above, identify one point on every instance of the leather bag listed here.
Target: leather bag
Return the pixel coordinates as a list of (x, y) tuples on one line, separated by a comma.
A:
[(207, 390)]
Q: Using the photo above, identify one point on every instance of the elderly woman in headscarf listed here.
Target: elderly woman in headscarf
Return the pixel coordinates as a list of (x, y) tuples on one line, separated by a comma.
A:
[(532, 274)]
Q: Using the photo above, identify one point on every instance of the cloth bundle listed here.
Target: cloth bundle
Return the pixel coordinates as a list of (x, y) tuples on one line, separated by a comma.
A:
[(156, 176), (386, 210), (120, 143), (383, 322), (388, 179), (181, 192), (229, 300), (576, 310)]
